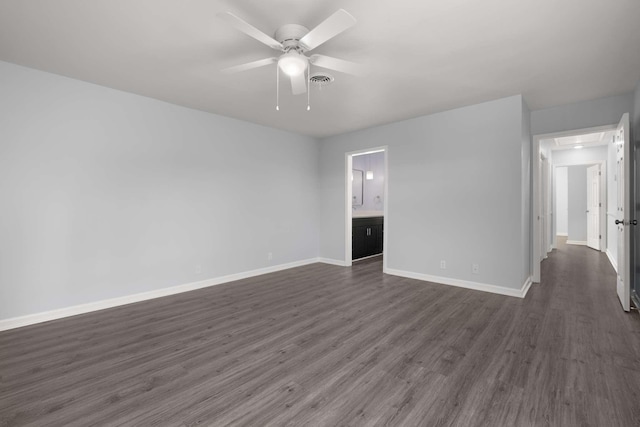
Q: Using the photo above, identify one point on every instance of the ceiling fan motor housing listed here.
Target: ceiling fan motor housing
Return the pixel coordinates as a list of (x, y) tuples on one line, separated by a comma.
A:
[(289, 35)]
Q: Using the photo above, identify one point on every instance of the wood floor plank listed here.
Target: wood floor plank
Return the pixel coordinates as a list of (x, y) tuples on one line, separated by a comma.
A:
[(327, 345)]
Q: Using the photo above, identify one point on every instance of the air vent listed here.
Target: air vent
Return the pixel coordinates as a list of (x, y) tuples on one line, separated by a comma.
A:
[(321, 79)]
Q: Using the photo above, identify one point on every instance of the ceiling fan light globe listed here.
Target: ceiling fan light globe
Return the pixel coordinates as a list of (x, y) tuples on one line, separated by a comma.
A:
[(292, 64)]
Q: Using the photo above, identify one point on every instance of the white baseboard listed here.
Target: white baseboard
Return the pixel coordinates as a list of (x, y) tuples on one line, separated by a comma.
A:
[(577, 242), (612, 260), (501, 290), (30, 319), (562, 234), (526, 286), (332, 261)]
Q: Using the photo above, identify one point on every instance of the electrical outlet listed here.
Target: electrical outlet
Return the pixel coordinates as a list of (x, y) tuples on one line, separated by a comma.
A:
[(443, 264), (198, 269), (269, 256), (475, 268)]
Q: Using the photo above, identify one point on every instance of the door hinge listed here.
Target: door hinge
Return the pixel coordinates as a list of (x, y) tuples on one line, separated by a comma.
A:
[(599, 173), (600, 236), (600, 204)]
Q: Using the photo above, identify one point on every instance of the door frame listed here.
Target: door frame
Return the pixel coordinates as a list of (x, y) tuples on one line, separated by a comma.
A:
[(348, 222), (600, 180), (536, 205)]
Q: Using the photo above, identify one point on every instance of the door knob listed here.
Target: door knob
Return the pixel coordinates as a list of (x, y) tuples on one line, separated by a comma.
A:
[(634, 222), (619, 222)]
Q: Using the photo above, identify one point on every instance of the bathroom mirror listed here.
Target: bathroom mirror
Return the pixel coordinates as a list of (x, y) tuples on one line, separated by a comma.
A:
[(357, 179)]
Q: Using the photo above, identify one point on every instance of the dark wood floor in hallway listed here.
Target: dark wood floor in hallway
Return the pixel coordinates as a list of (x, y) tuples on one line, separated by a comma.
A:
[(326, 345)]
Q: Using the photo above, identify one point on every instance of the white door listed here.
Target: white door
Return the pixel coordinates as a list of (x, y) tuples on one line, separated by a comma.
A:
[(593, 207), (624, 212)]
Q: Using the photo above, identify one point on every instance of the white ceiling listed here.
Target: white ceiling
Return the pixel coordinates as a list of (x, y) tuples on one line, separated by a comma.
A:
[(422, 56)]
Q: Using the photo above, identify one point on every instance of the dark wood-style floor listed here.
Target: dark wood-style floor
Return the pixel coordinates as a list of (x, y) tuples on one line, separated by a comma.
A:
[(327, 345)]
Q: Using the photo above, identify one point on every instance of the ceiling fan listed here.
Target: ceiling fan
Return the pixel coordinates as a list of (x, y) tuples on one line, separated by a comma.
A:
[(294, 41)]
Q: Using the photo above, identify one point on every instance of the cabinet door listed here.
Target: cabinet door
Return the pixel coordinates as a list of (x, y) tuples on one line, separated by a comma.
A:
[(372, 240), (359, 240), (379, 238)]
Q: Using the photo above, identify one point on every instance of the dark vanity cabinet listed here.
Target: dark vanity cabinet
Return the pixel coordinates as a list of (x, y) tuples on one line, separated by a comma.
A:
[(366, 237)]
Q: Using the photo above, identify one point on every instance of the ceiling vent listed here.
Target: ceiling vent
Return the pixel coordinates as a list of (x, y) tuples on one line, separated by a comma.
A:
[(321, 80)]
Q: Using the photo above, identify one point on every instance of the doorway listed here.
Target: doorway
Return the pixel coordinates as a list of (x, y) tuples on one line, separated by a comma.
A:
[(565, 149), (580, 200), (617, 220), (366, 200)]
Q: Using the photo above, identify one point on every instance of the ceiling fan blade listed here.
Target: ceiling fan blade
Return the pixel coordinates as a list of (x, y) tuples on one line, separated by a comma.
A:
[(299, 84), (250, 65), (329, 28), (336, 64), (250, 30)]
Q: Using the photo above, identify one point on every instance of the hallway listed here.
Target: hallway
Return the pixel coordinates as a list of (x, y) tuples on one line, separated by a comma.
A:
[(588, 348)]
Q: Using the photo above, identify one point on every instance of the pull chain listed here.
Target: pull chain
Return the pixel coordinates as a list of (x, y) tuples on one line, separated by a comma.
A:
[(277, 87)]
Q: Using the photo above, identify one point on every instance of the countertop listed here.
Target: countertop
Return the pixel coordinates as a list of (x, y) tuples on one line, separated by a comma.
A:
[(367, 214)]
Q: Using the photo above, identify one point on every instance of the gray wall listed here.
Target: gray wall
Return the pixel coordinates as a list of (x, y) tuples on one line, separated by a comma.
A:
[(577, 202), (598, 112), (455, 184), (106, 194), (375, 187)]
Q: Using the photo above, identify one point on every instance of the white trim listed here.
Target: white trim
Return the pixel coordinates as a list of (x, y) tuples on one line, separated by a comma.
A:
[(612, 260), (526, 286), (348, 216), (338, 262), (30, 319), (575, 163), (536, 253), (562, 234), (576, 132), (364, 153), (501, 290), (385, 207), (577, 242)]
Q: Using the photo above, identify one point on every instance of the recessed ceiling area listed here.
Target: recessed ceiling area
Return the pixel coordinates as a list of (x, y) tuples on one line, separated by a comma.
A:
[(419, 57), (581, 141)]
